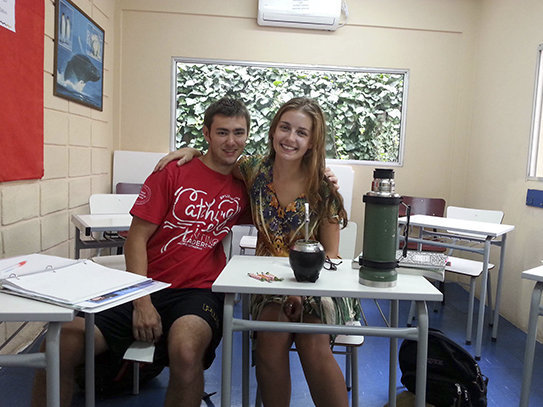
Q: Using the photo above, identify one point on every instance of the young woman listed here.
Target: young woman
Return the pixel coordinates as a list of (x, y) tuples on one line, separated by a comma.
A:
[(279, 185)]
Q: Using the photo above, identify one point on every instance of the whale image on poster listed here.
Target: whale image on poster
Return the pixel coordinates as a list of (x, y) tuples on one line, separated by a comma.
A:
[(79, 57)]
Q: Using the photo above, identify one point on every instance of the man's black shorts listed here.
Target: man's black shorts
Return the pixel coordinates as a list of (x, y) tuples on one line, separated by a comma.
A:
[(171, 303)]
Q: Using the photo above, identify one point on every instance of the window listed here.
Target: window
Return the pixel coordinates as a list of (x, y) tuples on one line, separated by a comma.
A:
[(535, 159), (365, 108)]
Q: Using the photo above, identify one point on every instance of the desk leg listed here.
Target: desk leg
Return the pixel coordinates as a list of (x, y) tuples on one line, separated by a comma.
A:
[(77, 243), (245, 353), (52, 369), (226, 382), (498, 292), (354, 377), (535, 311), (422, 354), (482, 301), (89, 360), (394, 307)]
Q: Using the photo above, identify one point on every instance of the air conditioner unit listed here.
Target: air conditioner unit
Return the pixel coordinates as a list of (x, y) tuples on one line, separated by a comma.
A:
[(313, 14)]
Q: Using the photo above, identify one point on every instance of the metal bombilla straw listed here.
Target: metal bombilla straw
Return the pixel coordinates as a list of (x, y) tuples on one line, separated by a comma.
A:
[(306, 221)]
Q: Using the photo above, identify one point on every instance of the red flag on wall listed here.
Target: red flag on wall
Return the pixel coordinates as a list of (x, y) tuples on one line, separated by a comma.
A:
[(21, 93)]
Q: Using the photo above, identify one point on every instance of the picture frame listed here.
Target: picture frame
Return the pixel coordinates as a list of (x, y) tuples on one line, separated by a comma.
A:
[(79, 56)]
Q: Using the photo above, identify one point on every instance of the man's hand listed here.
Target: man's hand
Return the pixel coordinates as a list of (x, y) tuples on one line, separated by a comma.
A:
[(146, 322), (183, 156), (331, 177), (292, 307)]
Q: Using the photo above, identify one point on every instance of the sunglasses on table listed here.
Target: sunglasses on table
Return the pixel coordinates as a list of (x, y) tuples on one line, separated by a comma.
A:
[(331, 265)]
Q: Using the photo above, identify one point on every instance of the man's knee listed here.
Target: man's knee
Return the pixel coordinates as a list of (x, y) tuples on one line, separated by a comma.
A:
[(188, 340)]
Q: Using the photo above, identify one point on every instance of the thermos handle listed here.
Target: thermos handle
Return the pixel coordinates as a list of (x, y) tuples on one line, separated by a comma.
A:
[(406, 230)]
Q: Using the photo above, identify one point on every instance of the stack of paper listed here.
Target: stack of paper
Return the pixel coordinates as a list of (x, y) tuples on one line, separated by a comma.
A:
[(77, 284), (31, 263)]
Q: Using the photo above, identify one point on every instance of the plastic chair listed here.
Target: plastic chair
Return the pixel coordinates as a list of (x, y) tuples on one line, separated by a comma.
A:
[(466, 267), (128, 188), (347, 240), (106, 204), (423, 206), (248, 242), (471, 268)]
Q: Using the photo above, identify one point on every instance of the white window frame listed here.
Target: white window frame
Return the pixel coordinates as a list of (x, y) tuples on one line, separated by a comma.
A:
[(535, 157), (404, 72)]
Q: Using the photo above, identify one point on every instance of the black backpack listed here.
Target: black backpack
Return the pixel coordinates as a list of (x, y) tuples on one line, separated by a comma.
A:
[(453, 375)]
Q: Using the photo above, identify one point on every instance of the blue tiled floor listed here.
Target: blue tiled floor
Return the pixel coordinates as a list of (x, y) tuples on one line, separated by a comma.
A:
[(501, 362)]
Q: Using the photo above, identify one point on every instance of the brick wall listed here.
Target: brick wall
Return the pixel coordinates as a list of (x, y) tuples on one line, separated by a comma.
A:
[(78, 144)]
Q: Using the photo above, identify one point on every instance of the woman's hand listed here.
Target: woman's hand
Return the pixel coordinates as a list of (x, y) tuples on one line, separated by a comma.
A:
[(292, 307), (330, 175), (183, 156)]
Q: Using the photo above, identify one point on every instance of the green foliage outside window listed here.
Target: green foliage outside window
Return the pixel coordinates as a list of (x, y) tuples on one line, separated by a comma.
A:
[(364, 109)]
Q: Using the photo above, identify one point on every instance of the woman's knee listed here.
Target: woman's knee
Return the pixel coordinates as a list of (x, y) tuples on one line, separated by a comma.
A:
[(313, 344), (272, 311), (72, 342), (272, 342)]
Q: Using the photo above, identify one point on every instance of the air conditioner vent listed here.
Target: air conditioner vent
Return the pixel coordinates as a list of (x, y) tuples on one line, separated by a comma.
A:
[(313, 14)]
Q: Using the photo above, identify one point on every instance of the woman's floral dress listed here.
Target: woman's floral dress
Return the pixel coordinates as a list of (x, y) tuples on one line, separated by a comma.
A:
[(279, 228)]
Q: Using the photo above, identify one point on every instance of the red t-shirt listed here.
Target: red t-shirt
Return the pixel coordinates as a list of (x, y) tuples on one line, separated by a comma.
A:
[(195, 208)]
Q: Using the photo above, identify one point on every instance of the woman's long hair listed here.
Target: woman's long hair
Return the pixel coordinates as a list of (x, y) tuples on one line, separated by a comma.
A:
[(313, 161)]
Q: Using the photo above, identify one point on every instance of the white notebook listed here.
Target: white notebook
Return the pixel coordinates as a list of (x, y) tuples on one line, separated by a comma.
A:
[(66, 281)]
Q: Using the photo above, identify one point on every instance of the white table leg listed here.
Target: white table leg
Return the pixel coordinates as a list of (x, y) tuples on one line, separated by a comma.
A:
[(482, 301), (494, 336), (89, 360), (354, 377), (227, 340), (245, 360), (535, 311), (471, 302), (393, 360), (422, 354), (52, 370)]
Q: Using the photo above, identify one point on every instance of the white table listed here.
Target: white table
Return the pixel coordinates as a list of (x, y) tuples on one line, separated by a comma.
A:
[(536, 310), (489, 234), (340, 283), (88, 224), (18, 309)]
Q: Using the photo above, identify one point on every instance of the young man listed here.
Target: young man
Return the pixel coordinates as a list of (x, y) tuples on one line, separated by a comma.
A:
[(179, 220)]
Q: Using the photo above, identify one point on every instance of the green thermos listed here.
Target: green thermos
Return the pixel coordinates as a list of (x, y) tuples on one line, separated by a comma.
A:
[(378, 260)]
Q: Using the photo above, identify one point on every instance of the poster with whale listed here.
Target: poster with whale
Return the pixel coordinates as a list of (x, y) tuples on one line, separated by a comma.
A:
[(79, 56)]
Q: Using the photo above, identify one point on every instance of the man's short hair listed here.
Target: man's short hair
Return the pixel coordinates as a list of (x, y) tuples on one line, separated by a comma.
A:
[(227, 107)]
